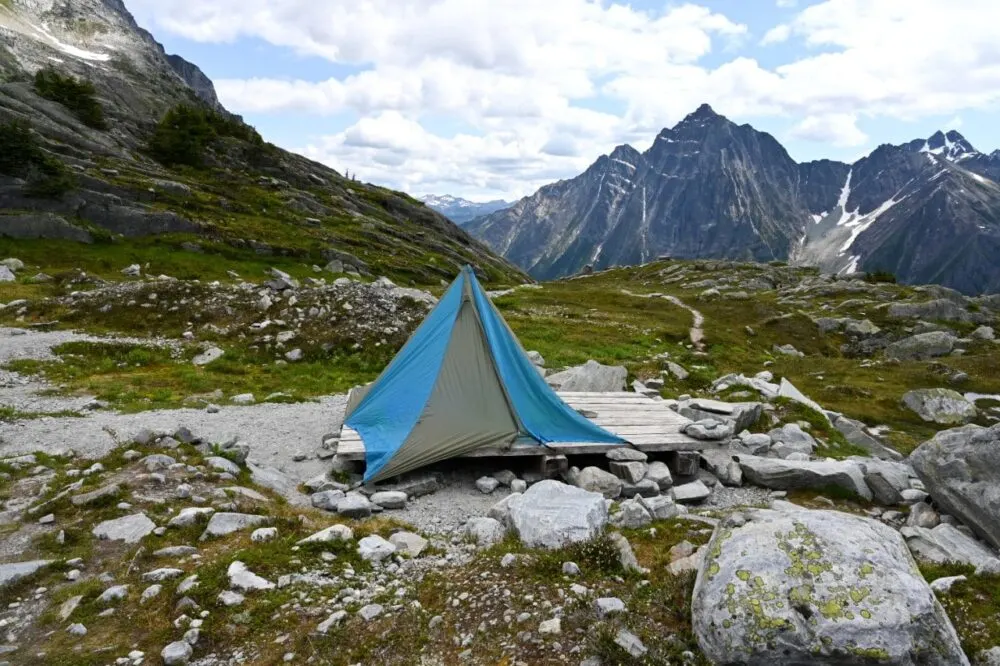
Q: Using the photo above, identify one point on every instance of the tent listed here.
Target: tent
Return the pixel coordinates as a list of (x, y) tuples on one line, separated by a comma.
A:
[(460, 383)]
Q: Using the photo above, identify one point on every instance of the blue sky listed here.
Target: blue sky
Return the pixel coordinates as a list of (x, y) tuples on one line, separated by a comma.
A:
[(487, 99)]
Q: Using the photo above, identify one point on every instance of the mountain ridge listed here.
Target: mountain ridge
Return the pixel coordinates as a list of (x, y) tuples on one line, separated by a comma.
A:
[(459, 210), (709, 188), (247, 198)]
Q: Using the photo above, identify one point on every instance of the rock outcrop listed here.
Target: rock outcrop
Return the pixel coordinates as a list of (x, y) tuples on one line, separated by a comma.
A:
[(812, 587), (961, 470)]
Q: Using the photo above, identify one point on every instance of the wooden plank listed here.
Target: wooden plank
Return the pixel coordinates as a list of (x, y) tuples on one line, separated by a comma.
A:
[(638, 400), (612, 421), (599, 394)]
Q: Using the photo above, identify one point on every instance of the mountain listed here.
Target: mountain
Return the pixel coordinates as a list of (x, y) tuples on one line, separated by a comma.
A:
[(459, 210), (130, 145), (927, 211)]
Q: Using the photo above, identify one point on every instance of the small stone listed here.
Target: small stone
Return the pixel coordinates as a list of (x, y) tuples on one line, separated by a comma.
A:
[(487, 484), (370, 612), (77, 629), (550, 627), (606, 606), (570, 569), (264, 534), (177, 653), (230, 598)]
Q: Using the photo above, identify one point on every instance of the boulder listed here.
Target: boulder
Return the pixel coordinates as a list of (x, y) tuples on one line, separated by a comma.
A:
[(788, 390), (389, 499), (354, 505), (374, 548), (223, 465), (817, 587), (6, 275), (696, 491), (485, 532), (15, 571), (408, 543), (947, 543), (922, 346), (241, 578), (938, 405), (886, 479), (331, 533), (551, 514), (741, 415), (659, 473), (591, 376), (861, 329), (631, 514), (130, 529), (501, 511), (791, 438), (789, 474), (224, 523), (208, 356), (720, 463), (597, 480), (941, 309), (855, 433), (662, 507), (960, 468), (709, 430), (630, 472)]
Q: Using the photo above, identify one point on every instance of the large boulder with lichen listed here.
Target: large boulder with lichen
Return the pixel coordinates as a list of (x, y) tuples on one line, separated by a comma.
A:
[(961, 470), (817, 587)]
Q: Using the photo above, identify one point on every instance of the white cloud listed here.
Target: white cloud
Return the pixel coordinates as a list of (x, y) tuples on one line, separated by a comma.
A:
[(954, 124), (528, 80), (839, 129), (777, 34), (786, 3)]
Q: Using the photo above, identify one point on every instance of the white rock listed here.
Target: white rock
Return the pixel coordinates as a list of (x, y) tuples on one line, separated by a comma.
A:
[(829, 583), (177, 653), (551, 514), (264, 534), (242, 578), (374, 548), (330, 534), (485, 532), (130, 529)]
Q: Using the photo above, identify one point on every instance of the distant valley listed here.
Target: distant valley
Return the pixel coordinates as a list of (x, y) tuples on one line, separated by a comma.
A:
[(462, 211)]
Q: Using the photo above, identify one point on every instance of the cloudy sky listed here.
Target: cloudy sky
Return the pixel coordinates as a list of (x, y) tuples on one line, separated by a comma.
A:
[(493, 98)]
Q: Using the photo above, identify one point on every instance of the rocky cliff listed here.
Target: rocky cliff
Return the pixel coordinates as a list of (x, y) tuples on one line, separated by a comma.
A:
[(709, 188), (246, 196)]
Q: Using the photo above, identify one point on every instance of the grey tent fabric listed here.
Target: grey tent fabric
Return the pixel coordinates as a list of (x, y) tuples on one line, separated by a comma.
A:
[(467, 410), (461, 382)]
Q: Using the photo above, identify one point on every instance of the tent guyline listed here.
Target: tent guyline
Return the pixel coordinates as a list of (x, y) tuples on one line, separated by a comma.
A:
[(460, 383)]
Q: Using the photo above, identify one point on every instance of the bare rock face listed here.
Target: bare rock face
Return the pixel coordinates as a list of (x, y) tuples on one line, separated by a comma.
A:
[(817, 587), (551, 514), (938, 405), (961, 470), (591, 376)]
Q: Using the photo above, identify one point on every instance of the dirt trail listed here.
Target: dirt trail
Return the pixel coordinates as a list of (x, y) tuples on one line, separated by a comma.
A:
[(696, 332)]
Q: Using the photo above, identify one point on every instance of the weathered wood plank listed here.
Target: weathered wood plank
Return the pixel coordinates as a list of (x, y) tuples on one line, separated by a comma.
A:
[(648, 424)]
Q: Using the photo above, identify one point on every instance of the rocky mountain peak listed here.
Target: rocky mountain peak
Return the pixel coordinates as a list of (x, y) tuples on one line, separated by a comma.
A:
[(703, 112), (625, 154), (951, 145)]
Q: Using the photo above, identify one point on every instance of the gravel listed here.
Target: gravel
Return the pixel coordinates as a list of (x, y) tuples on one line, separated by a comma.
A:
[(447, 509)]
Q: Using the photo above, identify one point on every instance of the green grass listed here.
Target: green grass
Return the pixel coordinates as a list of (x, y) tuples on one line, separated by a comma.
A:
[(971, 605), (135, 378)]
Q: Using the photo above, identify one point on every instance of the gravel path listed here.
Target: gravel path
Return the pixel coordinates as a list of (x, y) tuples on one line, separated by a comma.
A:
[(275, 432), (18, 343), (457, 501)]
